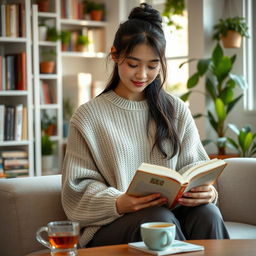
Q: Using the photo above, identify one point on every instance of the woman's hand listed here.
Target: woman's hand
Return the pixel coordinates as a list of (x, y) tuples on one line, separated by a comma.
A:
[(197, 196), (126, 203)]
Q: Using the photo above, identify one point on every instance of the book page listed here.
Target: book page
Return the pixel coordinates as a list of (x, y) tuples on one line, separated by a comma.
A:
[(205, 178), (203, 167)]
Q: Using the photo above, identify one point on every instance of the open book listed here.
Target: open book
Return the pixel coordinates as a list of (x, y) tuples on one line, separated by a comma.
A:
[(150, 179)]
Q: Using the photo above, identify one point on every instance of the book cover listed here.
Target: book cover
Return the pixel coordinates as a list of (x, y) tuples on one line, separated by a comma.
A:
[(2, 114), (18, 122), (24, 135), (177, 247)]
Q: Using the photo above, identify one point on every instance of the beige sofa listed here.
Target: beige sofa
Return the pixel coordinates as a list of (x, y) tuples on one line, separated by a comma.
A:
[(29, 203)]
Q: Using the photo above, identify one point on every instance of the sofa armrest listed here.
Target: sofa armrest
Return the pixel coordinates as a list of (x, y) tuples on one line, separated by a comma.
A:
[(237, 190), (26, 205)]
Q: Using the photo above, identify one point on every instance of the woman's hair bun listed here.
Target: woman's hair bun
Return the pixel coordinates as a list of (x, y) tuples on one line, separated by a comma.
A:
[(147, 13)]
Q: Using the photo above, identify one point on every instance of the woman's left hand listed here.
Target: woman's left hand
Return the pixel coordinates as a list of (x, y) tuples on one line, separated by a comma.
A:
[(197, 196)]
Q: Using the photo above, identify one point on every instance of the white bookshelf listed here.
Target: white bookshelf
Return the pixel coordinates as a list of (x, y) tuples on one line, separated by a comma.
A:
[(54, 108), (12, 45)]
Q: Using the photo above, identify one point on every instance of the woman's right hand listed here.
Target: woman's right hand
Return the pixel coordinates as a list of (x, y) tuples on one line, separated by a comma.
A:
[(126, 203)]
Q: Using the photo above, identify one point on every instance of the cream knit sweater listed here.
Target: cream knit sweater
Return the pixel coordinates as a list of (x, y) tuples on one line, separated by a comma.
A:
[(107, 142)]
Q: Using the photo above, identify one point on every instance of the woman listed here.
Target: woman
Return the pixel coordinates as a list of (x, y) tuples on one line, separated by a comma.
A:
[(133, 121)]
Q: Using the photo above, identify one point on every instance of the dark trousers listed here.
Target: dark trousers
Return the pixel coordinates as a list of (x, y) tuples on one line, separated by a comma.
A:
[(200, 222)]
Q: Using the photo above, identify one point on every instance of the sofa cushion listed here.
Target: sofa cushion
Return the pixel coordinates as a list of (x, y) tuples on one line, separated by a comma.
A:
[(241, 231), (26, 205)]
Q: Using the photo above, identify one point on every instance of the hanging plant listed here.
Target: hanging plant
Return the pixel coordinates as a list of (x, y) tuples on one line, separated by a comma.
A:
[(173, 7)]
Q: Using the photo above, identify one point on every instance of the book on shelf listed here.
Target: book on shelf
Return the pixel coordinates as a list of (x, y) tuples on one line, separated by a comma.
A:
[(13, 122), (2, 118), (176, 247), (46, 93), (72, 9), (13, 154), (14, 163), (171, 184), (18, 122), (1, 72), (13, 20), (14, 72)]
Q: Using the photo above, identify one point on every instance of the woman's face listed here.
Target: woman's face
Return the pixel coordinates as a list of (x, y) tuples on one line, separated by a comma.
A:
[(136, 72)]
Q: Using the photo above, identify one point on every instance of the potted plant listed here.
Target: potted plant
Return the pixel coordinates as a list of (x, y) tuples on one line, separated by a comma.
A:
[(220, 86), (68, 109), (173, 7), (52, 34), (48, 124), (65, 37), (47, 63), (47, 148), (231, 31), (245, 144), (82, 43), (96, 10)]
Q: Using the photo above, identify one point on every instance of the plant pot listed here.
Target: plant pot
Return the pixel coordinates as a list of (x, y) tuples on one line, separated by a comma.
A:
[(47, 164), (212, 156), (43, 6), (96, 15), (51, 130), (64, 47), (42, 33), (47, 67), (81, 48), (232, 40)]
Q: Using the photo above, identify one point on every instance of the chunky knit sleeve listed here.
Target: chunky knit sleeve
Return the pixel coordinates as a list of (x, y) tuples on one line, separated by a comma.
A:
[(85, 195)]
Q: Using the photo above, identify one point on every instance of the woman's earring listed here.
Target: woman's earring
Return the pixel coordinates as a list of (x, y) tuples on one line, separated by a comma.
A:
[(113, 54)]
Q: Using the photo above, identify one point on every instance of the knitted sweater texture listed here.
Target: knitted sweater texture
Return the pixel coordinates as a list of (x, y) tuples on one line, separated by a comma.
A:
[(107, 141)]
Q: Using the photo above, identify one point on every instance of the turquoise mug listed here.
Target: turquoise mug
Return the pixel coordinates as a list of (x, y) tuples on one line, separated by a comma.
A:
[(158, 236)]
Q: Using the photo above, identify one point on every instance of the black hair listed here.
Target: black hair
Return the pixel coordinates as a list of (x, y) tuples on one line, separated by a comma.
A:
[(144, 25)]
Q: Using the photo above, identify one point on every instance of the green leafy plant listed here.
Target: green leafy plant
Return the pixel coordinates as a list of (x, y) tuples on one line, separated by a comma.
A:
[(47, 145), (237, 24), (82, 40), (68, 109), (65, 36), (220, 86), (173, 7), (52, 34), (47, 121), (245, 144), (48, 55), (92, 6)]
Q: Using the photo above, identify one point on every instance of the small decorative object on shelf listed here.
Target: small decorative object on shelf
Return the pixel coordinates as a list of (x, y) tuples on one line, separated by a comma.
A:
[(43, 5), (65, 37), (82, 43), (42, 32), (231, 31), (47, 64), (47, 154), (48, 124), (95, 10)]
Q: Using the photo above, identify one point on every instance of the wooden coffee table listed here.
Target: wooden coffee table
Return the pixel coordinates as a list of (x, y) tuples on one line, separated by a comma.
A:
[(212, 248)]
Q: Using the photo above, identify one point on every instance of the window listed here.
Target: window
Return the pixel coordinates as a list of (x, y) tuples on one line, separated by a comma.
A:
[(250, 55)]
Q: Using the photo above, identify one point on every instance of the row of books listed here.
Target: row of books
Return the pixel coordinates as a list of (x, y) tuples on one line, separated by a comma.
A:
[(13, 122), (72, 9), (47, 93), (95, 36), (12, 17), (14, 163), (13, 72)]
